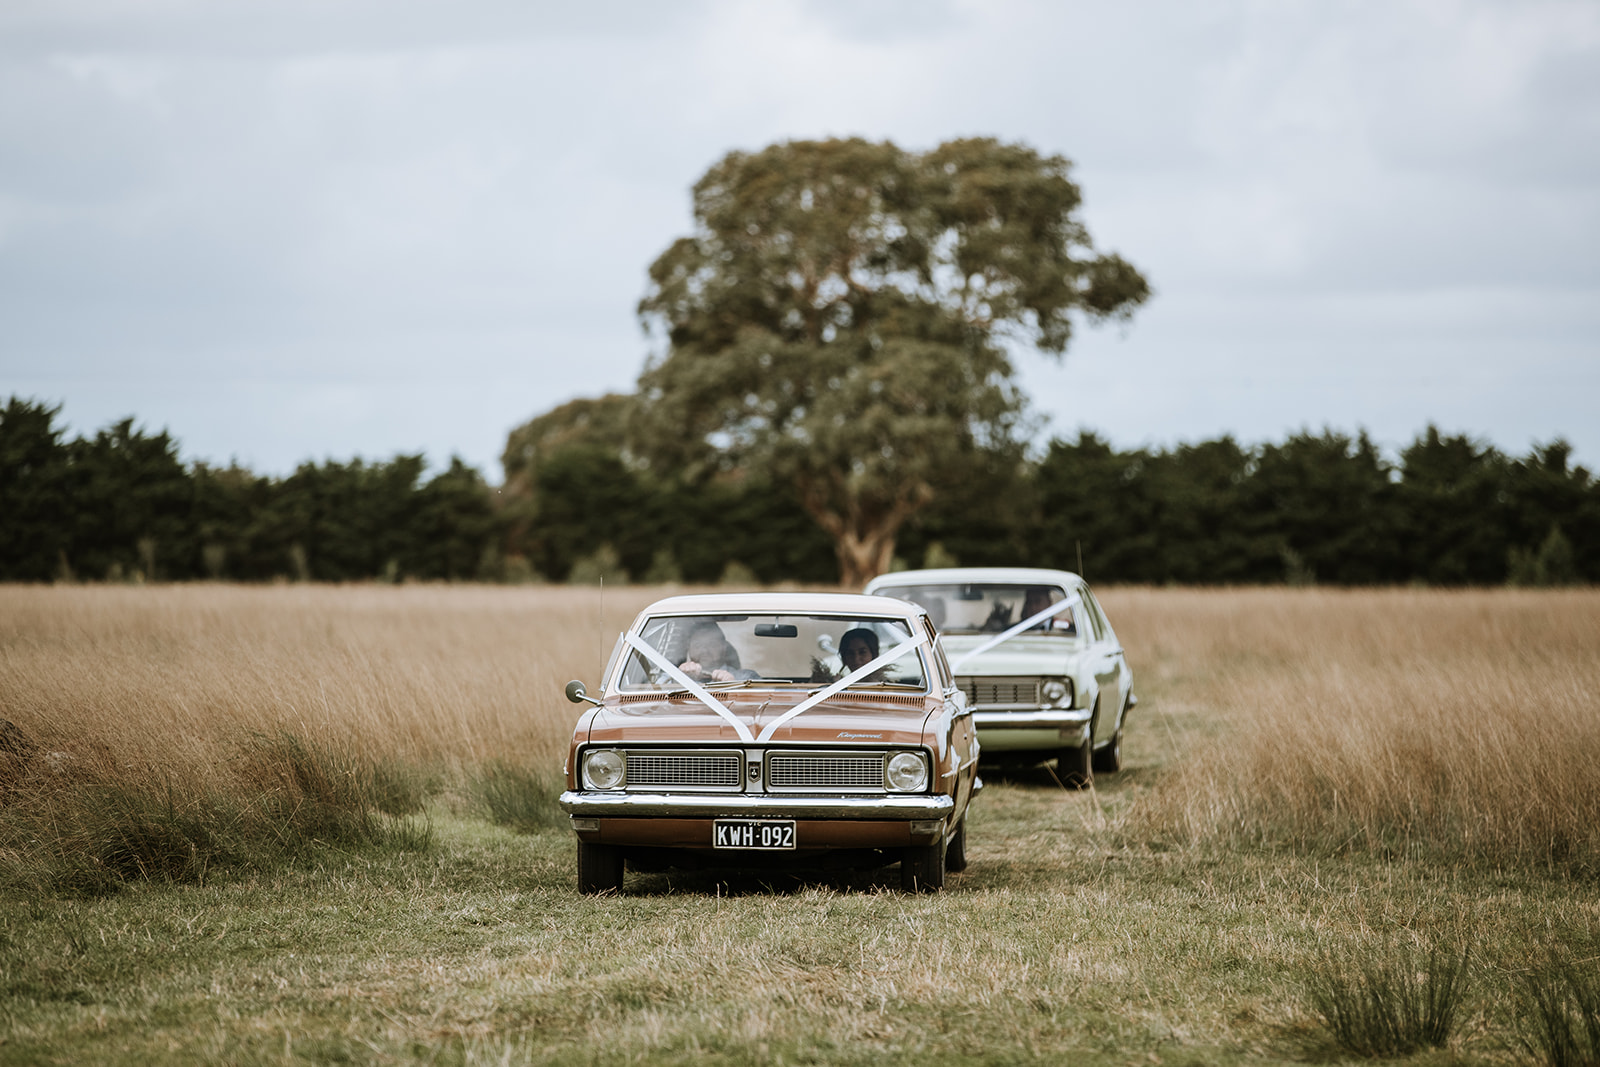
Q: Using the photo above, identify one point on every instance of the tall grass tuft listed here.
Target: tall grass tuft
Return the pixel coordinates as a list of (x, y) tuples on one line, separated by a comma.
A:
[(1561, 1015), (1442, 727), (91, 826), (296, 774), (1382, 1001), (166, 732), (520, 797)]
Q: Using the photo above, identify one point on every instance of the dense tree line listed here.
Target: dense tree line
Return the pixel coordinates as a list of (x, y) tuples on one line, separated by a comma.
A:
[(122, 505), (1329, 508), (1317, 507)]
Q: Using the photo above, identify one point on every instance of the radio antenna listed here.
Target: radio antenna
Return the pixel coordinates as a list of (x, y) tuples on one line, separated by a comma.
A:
[(600, 621), (1079, 545)]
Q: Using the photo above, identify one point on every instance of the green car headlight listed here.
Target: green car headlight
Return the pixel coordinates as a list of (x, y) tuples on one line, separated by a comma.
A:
[(1058, 692), (907, 772), (604, 769)]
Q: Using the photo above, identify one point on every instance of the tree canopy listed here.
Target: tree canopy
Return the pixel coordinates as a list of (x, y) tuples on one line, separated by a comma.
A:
[(841, 319)]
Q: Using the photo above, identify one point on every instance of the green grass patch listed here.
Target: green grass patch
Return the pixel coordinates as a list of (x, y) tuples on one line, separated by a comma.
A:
[(1382, 999), (1561, 1013), (1063, 940), (93, 827), (518, 797)]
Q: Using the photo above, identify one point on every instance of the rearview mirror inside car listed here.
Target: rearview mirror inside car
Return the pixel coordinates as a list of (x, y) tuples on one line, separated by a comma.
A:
[(777, 629)]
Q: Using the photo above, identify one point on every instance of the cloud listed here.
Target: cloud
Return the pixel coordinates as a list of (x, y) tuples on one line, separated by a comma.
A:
[(317, 216)]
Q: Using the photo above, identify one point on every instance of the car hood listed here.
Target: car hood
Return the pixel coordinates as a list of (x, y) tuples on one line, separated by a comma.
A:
[(843, 719), (1023, 654)]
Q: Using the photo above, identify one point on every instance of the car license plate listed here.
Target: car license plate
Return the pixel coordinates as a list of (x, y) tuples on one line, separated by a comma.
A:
[(753, 833)]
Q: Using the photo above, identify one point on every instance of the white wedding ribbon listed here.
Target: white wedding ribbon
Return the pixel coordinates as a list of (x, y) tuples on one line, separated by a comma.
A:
[(895, 653), (1032, 620), (692, 686)]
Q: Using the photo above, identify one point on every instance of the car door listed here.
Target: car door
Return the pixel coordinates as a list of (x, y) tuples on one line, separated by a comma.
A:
[(1110, 669), (963, 736)]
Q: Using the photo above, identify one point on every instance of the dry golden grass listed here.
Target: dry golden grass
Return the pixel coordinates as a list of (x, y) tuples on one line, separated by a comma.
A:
[(184, 727), (1451, 726), (173, 677), (1456, 726)]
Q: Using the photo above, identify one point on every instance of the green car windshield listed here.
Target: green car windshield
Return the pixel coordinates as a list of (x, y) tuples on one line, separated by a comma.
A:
[(987, 608), (726, 651)]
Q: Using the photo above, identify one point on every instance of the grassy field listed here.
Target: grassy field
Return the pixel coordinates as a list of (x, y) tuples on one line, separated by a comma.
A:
[(295, 824)]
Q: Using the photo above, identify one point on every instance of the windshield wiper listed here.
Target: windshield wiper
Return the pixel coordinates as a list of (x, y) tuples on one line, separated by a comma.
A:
[(741, 683)]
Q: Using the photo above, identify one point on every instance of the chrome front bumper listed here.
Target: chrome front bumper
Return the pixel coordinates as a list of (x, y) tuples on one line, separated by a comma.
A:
[(1031, 729), (1062, 719), (755, 806)]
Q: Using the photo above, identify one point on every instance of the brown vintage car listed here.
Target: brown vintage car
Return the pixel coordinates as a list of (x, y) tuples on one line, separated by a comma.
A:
[(804, 731)]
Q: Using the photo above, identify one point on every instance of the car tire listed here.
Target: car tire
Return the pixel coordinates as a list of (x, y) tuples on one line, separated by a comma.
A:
[(599, 868), (922, 867), (1075, 766), (1108, 760), (955, 853)]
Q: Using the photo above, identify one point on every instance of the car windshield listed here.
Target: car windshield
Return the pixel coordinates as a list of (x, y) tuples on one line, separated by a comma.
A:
[(988, 607), (725, 651)]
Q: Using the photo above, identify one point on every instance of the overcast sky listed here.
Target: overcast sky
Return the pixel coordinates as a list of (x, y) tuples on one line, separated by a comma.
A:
[(301, 229)]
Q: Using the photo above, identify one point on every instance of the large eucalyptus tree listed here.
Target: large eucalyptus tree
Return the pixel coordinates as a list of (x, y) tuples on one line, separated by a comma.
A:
[(842, 314)]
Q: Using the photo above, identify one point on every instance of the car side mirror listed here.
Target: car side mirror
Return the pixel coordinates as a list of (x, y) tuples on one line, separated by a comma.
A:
[(576, 694)]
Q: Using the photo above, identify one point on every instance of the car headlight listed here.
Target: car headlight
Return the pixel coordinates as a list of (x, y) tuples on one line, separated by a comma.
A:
[(907, 772), (1058, 692), (603, 769)]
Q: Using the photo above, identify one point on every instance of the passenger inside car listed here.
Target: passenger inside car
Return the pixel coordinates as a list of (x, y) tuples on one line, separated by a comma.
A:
[(858, 647)]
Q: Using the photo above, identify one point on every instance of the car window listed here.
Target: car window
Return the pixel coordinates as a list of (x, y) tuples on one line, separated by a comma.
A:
[(947, 677), (763, 650), (616, 653), (988, 607), (1102, 628)]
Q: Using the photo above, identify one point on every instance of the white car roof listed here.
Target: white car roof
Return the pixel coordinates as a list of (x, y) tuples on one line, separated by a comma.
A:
[(974, 575), (781, 604)]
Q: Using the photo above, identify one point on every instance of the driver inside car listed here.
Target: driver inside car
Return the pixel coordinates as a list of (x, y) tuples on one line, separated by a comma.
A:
[(710, 657), (1039, 597)]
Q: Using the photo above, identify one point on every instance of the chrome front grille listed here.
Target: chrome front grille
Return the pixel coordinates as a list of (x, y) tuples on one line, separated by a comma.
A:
[(834, 772), (726, 770), (1002, 692), (690, 771)]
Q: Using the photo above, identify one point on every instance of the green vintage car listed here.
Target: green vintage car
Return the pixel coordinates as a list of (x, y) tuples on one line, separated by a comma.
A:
[(1037, 659)]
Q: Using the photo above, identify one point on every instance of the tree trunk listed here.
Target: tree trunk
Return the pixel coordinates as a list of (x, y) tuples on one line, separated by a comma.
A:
[(864, 556), (863, 531)]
